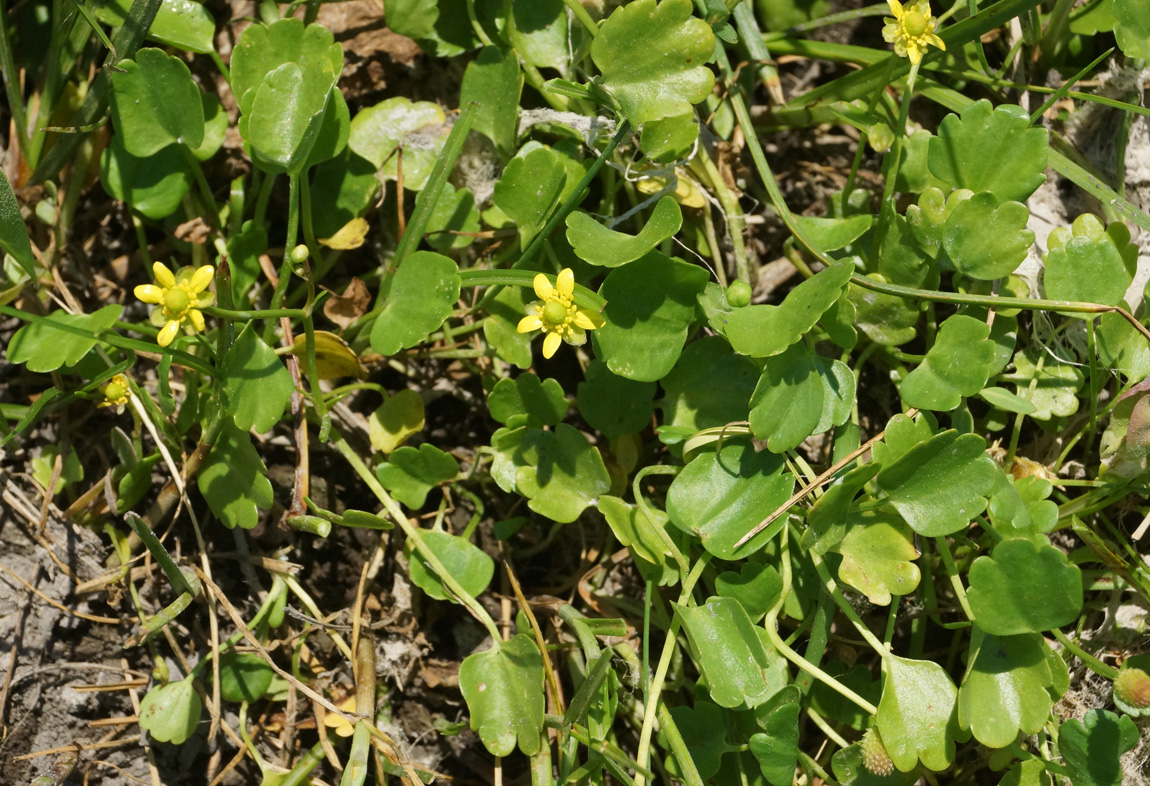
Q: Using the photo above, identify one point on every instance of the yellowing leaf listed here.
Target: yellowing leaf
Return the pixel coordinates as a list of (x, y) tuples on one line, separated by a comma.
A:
[(687, 192), (399, 417), (349, 236), (333, 357)]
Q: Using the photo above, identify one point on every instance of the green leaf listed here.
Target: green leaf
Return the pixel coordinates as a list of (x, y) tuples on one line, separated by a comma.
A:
[(1005, 400), (878, 556), (1132, 29), (777, 751), (60, 339), (1005, 689), (605, 247), (182, 24), (1088, 263), (719, 497), (170, 713), (940, 485), (886, 319), (615, 405), (762, 331), (1091, 747), (503, 688), (542, 401), (827, 519), (560, 473), (234, 480), (987, 238), (1056, 392), (704, 730), (850, 770), (834, 706), (155, 103), (499, 329), (541, 33), (831, 234), (492, 81), (755, 586), (264, 48), (530, 186), (287, 114), (334, 129), (13, 234), (1024, 587), (466, 562), (244, 676), (650, 306), (957, 366), (987, 149), (729, 653), (670, 138), (410, 473), (256, 386), (800, 394), (653, 58), (708, 387), (916, 715), (346, 186), (454, 212), (154, 186), (1027, 773), (1122, 347), (423, 293), (440, 27), (634, 530)]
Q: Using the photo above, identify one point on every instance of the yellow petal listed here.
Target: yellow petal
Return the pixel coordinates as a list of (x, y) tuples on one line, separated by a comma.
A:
[(565, 282), (584, 319), (550, 344), (895, 8), (167, 333), (149, 293), (202, 278), (529, 323), (543, 288), (197, 318), (933, 39), (163, 275), (914, 53)]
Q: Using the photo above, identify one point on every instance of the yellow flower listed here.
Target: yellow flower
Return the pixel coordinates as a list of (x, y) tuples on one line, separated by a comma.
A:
[(180, 296), (116, 392), (556, 314), (911, 29)]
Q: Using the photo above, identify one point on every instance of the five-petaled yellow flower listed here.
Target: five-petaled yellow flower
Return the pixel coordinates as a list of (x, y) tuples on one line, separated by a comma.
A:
[(180, 296), (911, 29), (116, 392), (556, 314)]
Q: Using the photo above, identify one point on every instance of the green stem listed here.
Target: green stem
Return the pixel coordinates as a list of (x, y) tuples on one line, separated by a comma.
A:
[(832, 588), (669, 646), (583, 16), (413, 534), (285, 271), (955, 579), (1095, 665), (894, 156)]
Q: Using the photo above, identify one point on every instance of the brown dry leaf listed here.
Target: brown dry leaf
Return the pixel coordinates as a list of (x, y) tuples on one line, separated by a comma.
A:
[(350, 306), (195, 231)]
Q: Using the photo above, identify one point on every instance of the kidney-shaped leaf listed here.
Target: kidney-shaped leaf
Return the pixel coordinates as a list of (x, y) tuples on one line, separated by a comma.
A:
[(264, 48), (530, 186), (378, 130), (503, 688), (154, 186), (1092, 747), (916, 715), (287, 114), (605, 247), (704, 730), (777, 750), (799, 394), (987, 238), (956, 366), (542, 401), (878, 556), (155, 103), (60, 339), (410, 473), (650, 305), (708, 387), (939, 485), (423, 292), (613, 404), (560, 473), (762, 331), (653, 58), (234, 480), (244, 676), (1086, 265), (256, 386), (1024, 587), (169, 713), (990, 149), (467, 564), (730, 653), (1005, 689), (719, 497)]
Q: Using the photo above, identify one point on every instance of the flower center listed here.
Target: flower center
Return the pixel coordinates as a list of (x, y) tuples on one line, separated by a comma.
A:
[(914, 23), (176, 301), (554, 313), (114, 391)]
